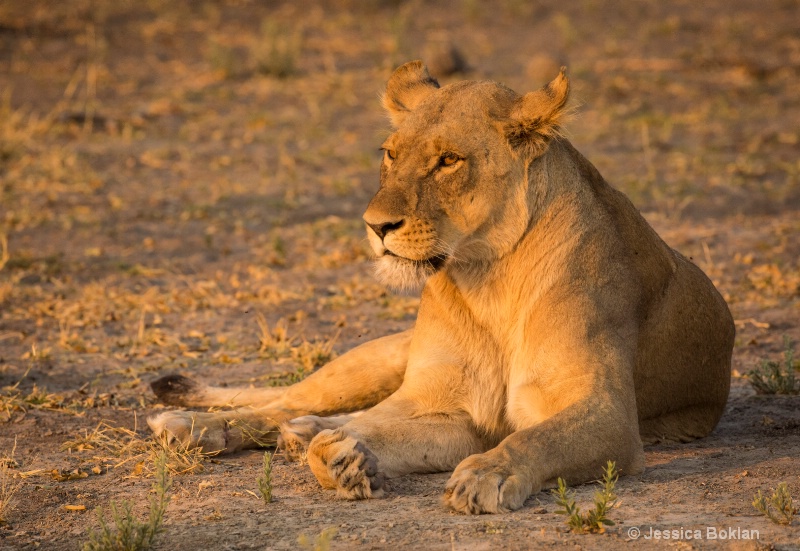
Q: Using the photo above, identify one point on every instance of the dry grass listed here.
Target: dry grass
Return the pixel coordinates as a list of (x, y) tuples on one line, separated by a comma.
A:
[(8, 485), (121, 446), (14, 401), (275, 343)]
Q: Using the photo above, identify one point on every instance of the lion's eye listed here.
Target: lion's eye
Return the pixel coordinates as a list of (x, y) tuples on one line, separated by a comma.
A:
[(449, 159), (391, 154)]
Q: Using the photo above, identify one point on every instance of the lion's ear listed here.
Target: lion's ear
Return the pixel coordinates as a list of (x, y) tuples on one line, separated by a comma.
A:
[(407, 87), (537, 116)]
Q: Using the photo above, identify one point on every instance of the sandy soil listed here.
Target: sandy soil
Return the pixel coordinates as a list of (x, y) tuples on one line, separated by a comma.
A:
[(181, 185)]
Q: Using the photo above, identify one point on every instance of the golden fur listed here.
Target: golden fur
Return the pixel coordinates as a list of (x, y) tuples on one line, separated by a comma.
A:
[(556, 330)]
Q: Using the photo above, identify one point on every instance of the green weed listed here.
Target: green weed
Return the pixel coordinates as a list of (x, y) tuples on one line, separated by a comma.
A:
[(128, 534), (773, 378), (604, 499), (320, 543), (779, 508), (265, 480)]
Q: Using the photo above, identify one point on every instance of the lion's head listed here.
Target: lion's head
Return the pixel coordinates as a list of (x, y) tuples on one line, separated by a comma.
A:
[(454, 176)]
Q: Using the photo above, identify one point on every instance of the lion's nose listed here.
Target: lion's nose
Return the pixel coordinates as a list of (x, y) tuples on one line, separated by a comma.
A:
[(382, 229)]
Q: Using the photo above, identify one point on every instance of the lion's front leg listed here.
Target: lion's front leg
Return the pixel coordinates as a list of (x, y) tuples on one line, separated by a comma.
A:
[(389, 440), (574, 444)]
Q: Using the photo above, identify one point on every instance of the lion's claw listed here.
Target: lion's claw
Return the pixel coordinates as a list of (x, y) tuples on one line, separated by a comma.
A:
[(341, 462), (478, 486)]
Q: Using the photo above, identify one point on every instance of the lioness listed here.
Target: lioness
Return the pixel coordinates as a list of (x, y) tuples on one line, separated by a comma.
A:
[(556, 330)]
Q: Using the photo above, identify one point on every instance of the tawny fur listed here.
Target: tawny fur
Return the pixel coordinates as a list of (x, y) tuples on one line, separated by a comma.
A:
[(556, 330)]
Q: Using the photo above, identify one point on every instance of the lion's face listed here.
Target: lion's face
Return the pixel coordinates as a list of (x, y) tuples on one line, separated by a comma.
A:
[(452, 178)]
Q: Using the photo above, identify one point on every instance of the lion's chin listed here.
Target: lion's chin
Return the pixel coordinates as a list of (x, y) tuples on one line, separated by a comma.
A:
[(404, 275)]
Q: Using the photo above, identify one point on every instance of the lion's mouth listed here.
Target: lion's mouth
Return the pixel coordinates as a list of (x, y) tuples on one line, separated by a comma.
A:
[(436, 262)]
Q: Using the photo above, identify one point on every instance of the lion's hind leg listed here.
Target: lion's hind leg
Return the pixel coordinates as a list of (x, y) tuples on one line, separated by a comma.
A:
[(683, 425), (354, 381), (217, 432)]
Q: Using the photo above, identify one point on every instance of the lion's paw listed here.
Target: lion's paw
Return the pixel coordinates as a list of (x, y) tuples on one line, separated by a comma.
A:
[(191, 429), (341, 462), (480, 485)]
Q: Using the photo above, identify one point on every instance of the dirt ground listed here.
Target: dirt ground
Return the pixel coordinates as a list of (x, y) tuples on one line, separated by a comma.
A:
[(181, 185)]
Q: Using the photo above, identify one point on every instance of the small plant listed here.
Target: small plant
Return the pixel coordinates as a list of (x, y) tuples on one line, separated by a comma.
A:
[(565, 499), (321, 543), (8, 486), (128, 534), (265, 480), (604, 499), (309, 356), (223, 59), (772, 378), (492, 528), (277, 55), (779, 508), (278, 256), (274, 342), (37, 354)]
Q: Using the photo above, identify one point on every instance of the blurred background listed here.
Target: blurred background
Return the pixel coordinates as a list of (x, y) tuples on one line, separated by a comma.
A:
[(182, 181)]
